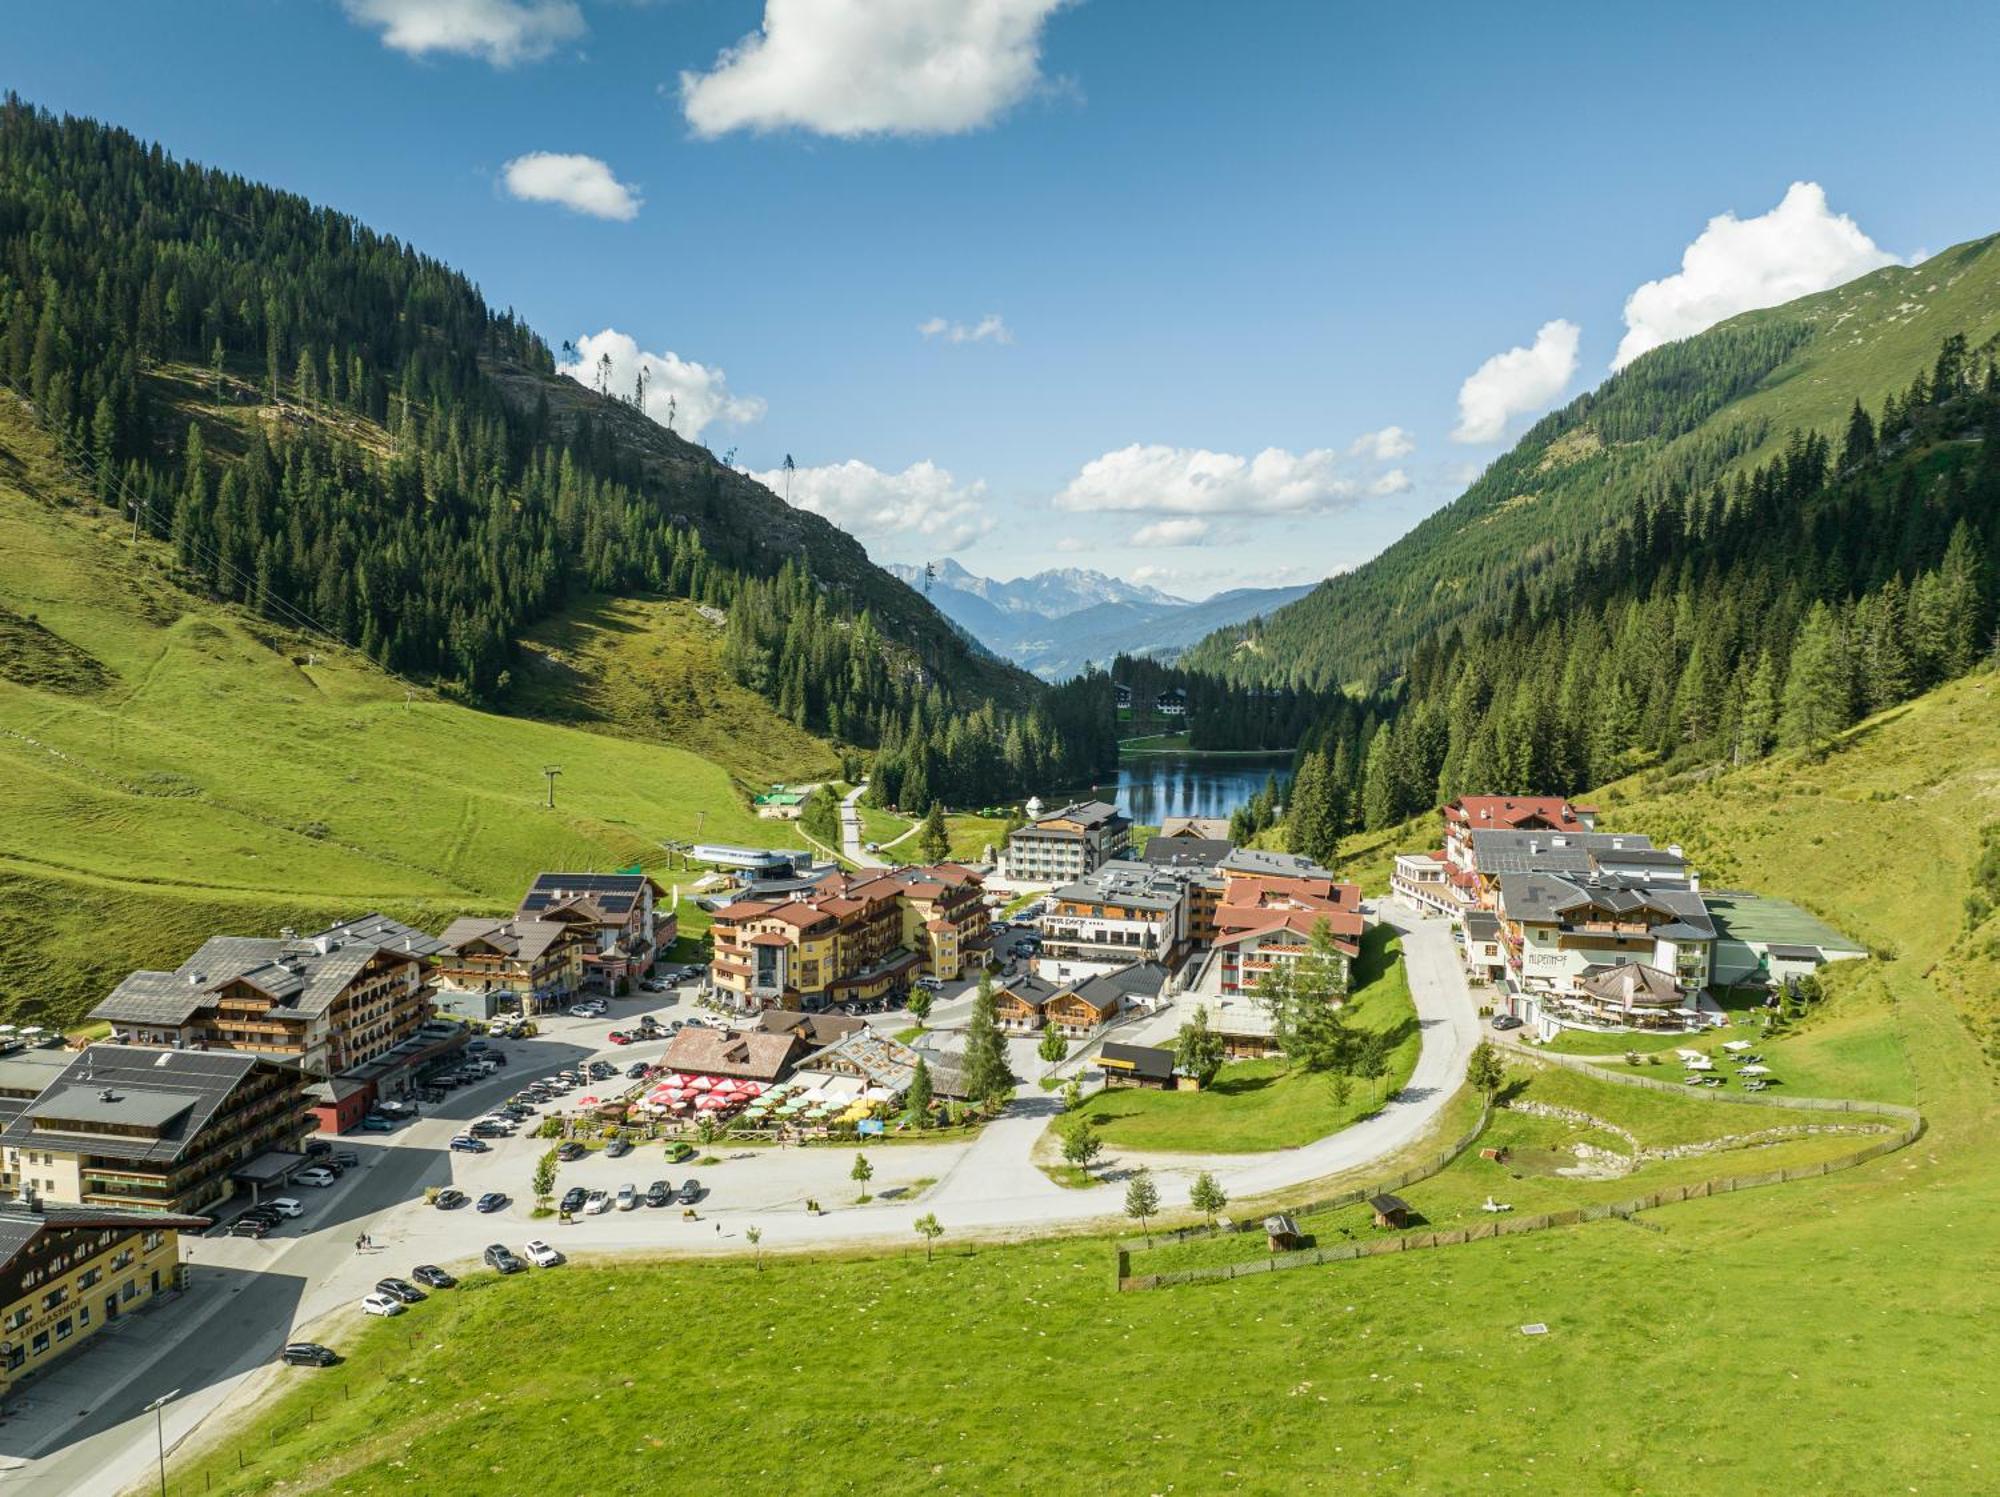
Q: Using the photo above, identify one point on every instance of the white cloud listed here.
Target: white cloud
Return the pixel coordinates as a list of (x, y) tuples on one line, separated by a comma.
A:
[(1150, 576), (503, 32), (1385, 446), (1739, 264), (1170, 533), (1192, 481), (872, 67), (582, 184), (923, 500), (989, 329), (1395, 481), (695, 395), (1519, 380), (1071, 545)]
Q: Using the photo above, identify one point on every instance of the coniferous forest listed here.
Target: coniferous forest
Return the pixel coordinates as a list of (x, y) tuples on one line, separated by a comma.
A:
[(1717, 623), (339, 433)]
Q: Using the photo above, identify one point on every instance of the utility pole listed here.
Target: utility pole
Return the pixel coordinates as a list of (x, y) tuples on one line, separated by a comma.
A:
[(133, 505), (549, 772)]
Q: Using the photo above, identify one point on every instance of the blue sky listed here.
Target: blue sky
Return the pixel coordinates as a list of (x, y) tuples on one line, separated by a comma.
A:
[(1224, 243)]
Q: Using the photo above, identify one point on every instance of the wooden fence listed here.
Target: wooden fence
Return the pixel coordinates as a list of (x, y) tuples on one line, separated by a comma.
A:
[(1911, 1130)]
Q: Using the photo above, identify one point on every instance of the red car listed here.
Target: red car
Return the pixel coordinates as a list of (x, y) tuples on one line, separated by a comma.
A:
[(619, 1037)]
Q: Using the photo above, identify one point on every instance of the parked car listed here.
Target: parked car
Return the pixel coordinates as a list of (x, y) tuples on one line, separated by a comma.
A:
[(1506, 1021), (465, 1143), (317, 1175), (502, 1260), (596, 1203), (618, 1148), (307, 1354), (430, 1275), (286, 1206), (376, 1123), (637, 1071), (679, 1150), (573, 1199), (628, 1197), (401, 1289), (659, 1193), (343, 1159), (493, 1200), (542, 1255), (250, 1226), (381, 1304), (449, 1199), (487, 1128), (569, 1151), (691, 1192)]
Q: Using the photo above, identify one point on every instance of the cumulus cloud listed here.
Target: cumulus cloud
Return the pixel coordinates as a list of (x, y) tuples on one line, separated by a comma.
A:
[(923, 500), (503, 32), (694, 395), (1170, 533), (1739, 264), (872, 67), (1395, 481), (1386, 445), (1193, 481), (582, 184), (1519, 380), (989, 329)]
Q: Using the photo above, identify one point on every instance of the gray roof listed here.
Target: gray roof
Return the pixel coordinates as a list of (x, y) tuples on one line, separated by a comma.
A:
[(1140, 980), (1123, 881), (176, 1092), (304, 974), (1188, 852), (524, 940), (612, 893), (1796, 953), (1482, 925), (1145, 1060), (1541, 897), (26, 1074), (1496, 851), (1631, 984), (1270, 864)]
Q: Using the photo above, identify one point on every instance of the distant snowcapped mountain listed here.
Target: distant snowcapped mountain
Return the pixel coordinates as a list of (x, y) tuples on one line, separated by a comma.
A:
[(1056, 622), (1049, 595)]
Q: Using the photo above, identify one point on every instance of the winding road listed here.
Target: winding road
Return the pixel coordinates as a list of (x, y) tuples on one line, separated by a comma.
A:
[(85, 1430)]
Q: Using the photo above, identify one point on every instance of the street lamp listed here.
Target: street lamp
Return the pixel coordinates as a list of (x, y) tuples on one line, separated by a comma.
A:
[(157, 1409)]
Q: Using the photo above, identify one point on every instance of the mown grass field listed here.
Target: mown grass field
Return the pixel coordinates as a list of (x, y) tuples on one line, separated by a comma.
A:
[(651, 670), (882, 827), (173, 769), (1269, 1104), (1835, 1332)]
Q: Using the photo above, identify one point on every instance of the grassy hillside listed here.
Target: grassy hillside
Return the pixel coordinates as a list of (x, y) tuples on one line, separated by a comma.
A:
[(1813, 1319), (652, 670), (1681, 417), (174, 767)]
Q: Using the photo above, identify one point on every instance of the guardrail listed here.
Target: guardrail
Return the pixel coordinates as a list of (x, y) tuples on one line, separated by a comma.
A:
[(1912, 1129)]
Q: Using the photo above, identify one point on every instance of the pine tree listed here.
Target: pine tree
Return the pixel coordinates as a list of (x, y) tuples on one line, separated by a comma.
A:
[(1817, 683), (934, 841), (988, 1078)]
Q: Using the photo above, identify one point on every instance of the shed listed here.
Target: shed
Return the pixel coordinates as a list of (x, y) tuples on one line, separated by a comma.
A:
[(1282, 1232), (1390, 1211), (1137, 1065)]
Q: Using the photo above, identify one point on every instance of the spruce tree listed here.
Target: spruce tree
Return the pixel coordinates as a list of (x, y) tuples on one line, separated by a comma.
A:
[(988, 1078)]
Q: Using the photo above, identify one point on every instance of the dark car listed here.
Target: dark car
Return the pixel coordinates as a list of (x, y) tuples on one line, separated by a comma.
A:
[(570, 1151), (519, 1111), (573, 1199), (618, 1148), (1506, 1021), (401, 1289), (249, 1227), (493, 1200), (500, 1259), (314, 1148), (637, 1071), (691, 1192), (345, 1159), (660, 1193), (308, 1354), (449, 1199), (432, 1276), (465, 1143)]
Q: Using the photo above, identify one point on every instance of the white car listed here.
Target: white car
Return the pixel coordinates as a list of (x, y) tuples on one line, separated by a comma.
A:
[(541, 1254), (597, 1203), (628, 1197), (286, 1206), (316, 1176), (381, 1304)]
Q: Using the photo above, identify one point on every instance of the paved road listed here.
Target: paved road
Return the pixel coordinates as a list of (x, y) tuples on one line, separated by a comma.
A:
[(216, 1345), (851, 844)]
